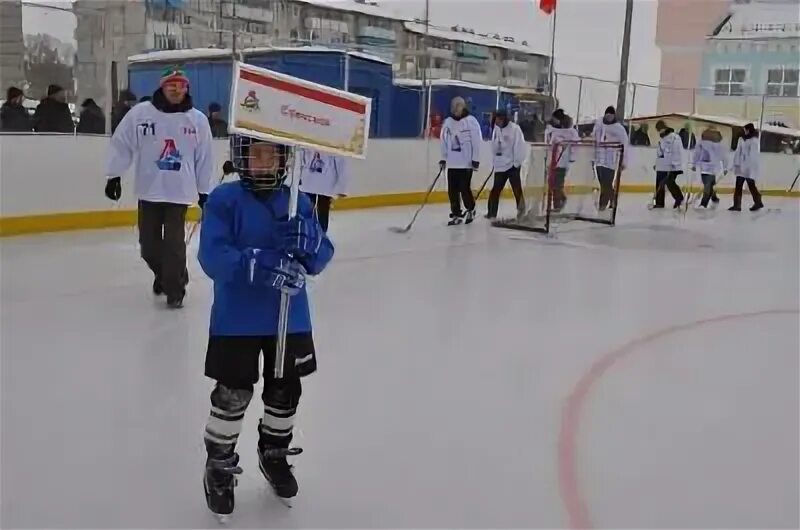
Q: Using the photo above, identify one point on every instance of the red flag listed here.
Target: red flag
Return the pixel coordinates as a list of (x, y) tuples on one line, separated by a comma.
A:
[(548, 6)]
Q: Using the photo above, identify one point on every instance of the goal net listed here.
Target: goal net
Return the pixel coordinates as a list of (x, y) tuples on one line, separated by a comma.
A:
[(568, 181)]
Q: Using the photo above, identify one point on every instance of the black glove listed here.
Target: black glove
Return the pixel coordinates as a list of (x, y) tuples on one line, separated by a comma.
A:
[(442, 163), (114, 188), (475, 165), (201, 199), (228, 168)]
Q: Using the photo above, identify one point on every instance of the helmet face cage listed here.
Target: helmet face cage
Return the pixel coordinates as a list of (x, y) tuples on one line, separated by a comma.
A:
[(261, 164)]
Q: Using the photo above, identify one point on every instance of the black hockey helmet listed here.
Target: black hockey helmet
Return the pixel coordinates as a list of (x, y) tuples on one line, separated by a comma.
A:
[(261, 165)]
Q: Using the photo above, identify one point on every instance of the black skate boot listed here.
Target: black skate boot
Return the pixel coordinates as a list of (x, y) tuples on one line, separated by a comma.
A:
[(470, 216), (456, 219), (756, 207), (272, 453), (219, 481)]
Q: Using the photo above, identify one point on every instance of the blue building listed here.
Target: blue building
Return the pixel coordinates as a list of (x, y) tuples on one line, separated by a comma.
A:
[(753, 58)]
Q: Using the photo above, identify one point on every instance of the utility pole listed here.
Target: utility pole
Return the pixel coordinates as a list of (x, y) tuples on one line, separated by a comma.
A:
[(624, 60), (425, 65)]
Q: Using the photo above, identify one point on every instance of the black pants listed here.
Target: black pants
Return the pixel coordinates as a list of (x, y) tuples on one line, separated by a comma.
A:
[(605, 177), (233, 363), (500, 178), (322, 207), (459, 187), (709, 193), (667, 179), (162, 235), (737, 193)]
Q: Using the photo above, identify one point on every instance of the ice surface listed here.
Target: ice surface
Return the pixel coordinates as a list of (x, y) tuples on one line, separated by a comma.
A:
[(446, 358)]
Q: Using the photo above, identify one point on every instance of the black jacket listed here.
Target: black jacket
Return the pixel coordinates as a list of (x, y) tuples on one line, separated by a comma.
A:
[(219, 127), (92, 120), (15, 118), (53, 116)]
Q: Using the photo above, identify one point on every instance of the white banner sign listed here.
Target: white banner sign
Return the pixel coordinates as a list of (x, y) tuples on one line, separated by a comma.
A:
[(284, 109)]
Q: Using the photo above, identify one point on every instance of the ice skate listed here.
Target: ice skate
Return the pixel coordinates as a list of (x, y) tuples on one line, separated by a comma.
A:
[(176, 302), (455, 219), (273, 465), (470, 216), (756, 207), (157, 289), (219, 482)]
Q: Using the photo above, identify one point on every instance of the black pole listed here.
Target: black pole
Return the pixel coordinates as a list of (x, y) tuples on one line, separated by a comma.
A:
[(624, 60)]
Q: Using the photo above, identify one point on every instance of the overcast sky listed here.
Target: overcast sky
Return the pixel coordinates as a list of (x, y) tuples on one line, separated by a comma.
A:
[(588, 38)]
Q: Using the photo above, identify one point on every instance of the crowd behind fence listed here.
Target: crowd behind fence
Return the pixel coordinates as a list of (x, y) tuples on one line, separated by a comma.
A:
[(584, 98)]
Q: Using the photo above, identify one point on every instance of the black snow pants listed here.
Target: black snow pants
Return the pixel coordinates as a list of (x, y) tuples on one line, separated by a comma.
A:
[(162, 240)]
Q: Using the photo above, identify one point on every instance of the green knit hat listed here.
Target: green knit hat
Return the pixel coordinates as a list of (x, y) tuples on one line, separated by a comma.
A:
[(173, 74)]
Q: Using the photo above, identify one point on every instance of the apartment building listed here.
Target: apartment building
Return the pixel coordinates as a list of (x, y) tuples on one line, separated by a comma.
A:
[(751, 61), (138, 26)]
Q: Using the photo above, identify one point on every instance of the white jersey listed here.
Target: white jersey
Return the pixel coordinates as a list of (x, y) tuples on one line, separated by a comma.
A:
[(553, 135), (322, 174), (669, 153), (461, 142), (172, 153), (610, 133), (747, 158), (710, 157), (508, 147)]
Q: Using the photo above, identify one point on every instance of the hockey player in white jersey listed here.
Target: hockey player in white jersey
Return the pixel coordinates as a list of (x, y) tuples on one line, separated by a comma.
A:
[(746, 166), (669, 165), (461, 154), (169, 143), (510, 151), (323, 177), (710, 157), (559, 130), (608, 130)]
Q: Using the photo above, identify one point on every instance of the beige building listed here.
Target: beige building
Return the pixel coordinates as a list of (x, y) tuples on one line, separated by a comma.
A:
[(137, 26)]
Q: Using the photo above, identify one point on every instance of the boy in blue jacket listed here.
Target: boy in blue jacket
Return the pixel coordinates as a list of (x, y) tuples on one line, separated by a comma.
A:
[(253, 252)]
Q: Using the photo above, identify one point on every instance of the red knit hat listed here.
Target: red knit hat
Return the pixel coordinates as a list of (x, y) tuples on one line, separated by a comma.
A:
[(173, 74)]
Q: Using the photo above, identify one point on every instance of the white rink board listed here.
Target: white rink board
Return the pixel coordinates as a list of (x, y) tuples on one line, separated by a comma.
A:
[(52, 174)]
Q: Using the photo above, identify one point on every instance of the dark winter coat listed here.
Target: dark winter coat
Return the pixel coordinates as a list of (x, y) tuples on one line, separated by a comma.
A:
[(15, 118), (53, 116), (92, 120), (219, 127)]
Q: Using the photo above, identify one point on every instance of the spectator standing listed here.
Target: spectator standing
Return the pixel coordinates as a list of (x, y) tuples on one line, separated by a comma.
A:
[(14, 116), (53, 114), (219, 127), (126, 101), (92, 120)]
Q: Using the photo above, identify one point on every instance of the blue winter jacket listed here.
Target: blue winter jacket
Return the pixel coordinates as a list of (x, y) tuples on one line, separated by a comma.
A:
[(235, 219)]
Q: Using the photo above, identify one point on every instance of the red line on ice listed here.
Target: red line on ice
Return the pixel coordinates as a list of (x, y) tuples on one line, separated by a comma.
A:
[(569, 489)]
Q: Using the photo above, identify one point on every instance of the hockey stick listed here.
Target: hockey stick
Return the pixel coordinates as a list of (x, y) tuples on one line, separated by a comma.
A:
[(226, 170), (483, 187), (793, 182), (399, 230)]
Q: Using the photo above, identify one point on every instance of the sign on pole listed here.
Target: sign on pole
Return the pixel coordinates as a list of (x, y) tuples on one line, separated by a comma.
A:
[(284, 109)]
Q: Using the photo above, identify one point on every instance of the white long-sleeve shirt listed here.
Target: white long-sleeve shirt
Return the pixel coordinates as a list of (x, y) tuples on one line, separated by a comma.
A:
[(710, 157), (553, 135), (461, 142), (172, 153), (747, 158), (610, 133), (322, 174), (508, 147), (669, 153)]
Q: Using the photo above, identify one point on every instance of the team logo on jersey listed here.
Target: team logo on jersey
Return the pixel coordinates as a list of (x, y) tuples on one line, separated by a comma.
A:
[(250, 102), (170, 158), (317, 165)]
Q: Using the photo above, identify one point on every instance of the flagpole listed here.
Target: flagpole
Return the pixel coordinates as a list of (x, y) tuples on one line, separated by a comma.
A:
[(552, 81)]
